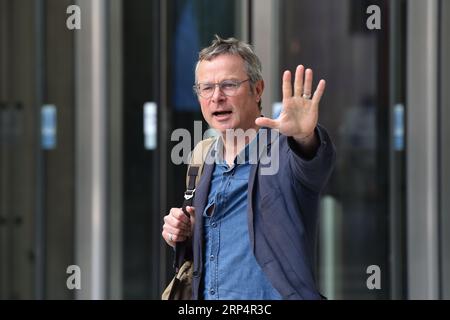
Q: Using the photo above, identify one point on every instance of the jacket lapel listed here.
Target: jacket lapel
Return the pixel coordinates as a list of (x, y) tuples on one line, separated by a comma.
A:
[(251, 183), (202, 190), (263, 151), (200, 199)]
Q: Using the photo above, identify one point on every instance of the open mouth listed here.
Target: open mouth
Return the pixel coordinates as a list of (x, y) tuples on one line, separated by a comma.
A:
[(221, 113)]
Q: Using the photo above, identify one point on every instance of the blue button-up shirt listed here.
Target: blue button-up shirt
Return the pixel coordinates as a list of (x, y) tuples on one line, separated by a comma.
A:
[(230, 269)]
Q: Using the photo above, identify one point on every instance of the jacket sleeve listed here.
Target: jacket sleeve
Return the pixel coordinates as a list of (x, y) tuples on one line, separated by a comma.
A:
[(313, 173)]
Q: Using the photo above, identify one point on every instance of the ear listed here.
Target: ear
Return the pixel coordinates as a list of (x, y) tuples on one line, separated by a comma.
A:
[(259, 88)]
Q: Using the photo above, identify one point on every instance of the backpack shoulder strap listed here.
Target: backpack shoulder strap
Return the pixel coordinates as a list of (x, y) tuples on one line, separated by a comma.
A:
[(183, 250), (198, 157)]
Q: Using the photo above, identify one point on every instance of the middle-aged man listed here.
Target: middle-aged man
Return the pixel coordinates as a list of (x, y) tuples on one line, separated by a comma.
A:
[(254, 235)]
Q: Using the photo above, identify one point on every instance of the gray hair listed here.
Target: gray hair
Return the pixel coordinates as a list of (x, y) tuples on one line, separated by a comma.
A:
[(234, 46)]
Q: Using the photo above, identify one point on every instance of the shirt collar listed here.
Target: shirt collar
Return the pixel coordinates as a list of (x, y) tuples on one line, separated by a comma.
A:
[(250, 154)]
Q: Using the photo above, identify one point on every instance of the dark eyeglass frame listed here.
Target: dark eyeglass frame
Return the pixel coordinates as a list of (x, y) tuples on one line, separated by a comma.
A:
[(237, 84)]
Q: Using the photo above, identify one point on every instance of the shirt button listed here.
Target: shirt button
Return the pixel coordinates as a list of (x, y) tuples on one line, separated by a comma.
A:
[(214, 225), (211, 257), (212, 291)]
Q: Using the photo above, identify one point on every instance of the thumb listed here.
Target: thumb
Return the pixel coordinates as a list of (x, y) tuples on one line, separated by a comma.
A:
[(266, 122), (190, 209)]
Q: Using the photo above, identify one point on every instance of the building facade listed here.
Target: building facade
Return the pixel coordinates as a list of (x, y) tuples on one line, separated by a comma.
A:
[(87, 116)]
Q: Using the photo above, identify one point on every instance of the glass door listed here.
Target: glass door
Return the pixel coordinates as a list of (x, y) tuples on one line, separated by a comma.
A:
[(160, 45), (362, 209), (36, 150)]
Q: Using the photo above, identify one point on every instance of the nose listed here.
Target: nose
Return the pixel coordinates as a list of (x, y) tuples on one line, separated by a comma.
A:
[(218, 95)]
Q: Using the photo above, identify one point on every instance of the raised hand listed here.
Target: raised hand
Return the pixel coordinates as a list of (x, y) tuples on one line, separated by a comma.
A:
[(300, 113)]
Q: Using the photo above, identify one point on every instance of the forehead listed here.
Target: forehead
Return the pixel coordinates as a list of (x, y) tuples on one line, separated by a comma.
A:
[(222, 67)]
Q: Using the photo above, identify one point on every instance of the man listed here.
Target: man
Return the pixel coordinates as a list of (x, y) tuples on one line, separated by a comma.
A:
[(254, 235)]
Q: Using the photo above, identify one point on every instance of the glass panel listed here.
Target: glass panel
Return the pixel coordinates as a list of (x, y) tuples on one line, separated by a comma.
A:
[(36, 179), (140, 176), (195, 21), (332, 38), (190, 25)]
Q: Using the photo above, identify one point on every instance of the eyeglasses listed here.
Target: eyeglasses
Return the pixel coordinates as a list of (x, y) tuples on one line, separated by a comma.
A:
[(228, 87)]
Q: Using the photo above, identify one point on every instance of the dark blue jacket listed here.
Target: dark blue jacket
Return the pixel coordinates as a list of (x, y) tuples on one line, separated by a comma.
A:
[(282, 217)]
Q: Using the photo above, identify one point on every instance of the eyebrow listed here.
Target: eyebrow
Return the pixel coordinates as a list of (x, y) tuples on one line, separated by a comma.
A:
[(210, 82)]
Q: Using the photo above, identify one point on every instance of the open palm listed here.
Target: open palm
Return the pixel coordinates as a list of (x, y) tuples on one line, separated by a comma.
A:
[(300, 112)]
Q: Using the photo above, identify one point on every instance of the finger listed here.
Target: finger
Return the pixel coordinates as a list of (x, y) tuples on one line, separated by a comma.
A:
[(319, 92), (176, 231), (177, 224), (191, 211), (307, 89), (298, 83), (166, 238), (266, 122), (176, 238), (173, 222), (287, 86), (172, 238), (178, 214)]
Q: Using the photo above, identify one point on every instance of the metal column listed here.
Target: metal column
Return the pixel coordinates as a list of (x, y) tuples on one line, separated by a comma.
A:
[(91, 150), (422, 150), (115, 151), (265, 17), (444, 173)]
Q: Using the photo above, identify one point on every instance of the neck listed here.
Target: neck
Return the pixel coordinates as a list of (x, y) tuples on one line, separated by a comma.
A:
[(236, 140)]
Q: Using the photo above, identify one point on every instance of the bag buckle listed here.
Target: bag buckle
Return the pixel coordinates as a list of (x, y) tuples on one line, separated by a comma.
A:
[(189, 194)]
